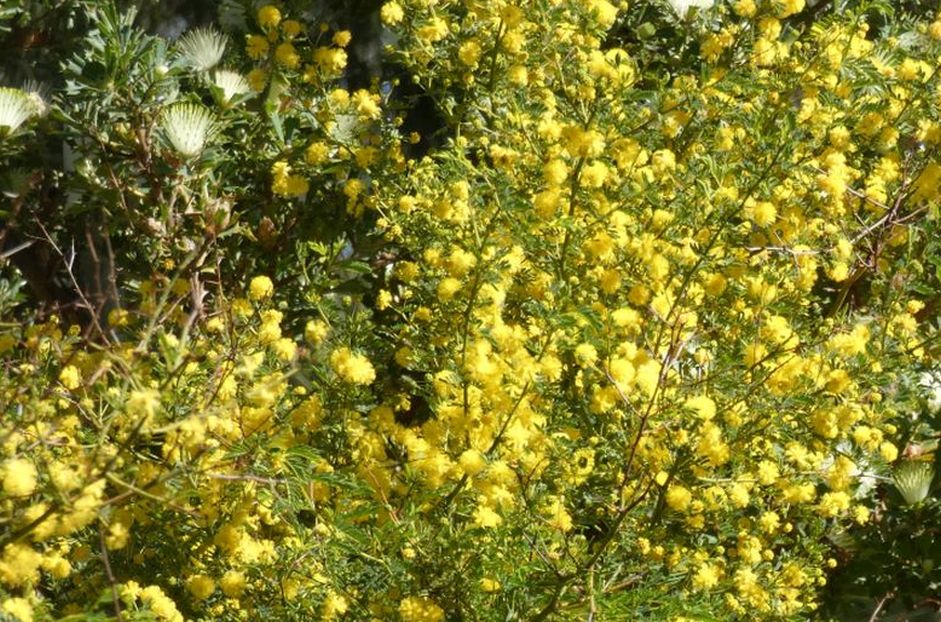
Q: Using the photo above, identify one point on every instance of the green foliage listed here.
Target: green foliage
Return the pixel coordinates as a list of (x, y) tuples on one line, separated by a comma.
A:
[(891, 569)]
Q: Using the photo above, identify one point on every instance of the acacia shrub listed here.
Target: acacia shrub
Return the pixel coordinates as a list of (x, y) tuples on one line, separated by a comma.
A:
[(603, 351)]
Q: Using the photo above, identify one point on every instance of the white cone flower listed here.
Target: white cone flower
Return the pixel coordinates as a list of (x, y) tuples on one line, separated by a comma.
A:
[(188, 127), (231, 83), (682, 6), (930, 383), (15, 108), (913, 480), (38, 94), (202, 48)]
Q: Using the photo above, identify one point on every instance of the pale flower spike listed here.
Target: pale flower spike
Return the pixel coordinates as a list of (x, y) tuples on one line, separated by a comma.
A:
[(188, 127), (15, 108), (203, 48), (231, 83), (913, 480)]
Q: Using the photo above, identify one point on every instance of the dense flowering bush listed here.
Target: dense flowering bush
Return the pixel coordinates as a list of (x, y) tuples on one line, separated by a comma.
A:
[(617, 341)]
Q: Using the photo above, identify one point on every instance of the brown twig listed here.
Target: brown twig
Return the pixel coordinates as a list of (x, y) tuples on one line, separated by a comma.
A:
[(875, 614), (92, 311), (110, 575)]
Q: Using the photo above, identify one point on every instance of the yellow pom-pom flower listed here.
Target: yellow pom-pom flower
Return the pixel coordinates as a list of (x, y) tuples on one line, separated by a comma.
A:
[(269, 16), (260, 288), (70, 377), (19, 477), (351, 367)]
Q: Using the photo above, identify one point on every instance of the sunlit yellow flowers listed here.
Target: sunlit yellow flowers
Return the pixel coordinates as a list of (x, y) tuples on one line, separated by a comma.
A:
[(70, 377), (351, 367), (19, 477), (269, 16), (260, 288)]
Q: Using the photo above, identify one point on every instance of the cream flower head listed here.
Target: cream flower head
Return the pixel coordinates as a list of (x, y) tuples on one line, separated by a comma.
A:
[(15, 108), (202, 48), (913, 480), (188, 127), (230, 83), (682, 6)]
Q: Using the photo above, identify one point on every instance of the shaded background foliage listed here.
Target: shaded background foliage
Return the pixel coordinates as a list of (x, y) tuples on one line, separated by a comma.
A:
[(43, 46)]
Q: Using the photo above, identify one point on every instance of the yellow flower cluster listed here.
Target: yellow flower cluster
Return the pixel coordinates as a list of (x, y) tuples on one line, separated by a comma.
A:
[(419, 609), (260, 288), (284, 184), (352, 367), (19, 477)]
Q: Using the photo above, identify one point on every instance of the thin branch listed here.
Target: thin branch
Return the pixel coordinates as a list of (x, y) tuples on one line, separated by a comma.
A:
[(111, 580), (19, 247), (78, 289), (875, 614)]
